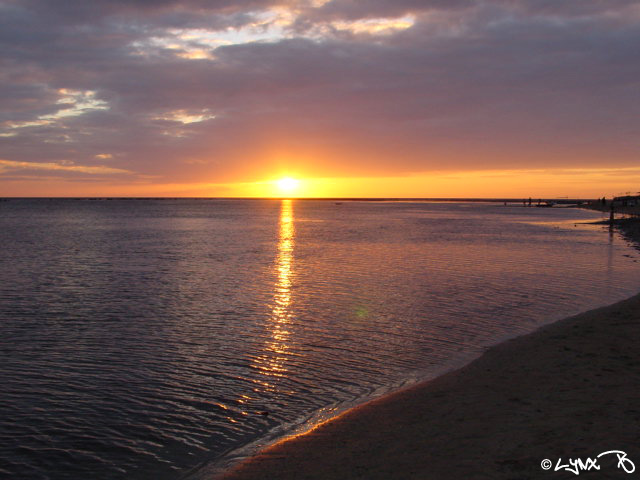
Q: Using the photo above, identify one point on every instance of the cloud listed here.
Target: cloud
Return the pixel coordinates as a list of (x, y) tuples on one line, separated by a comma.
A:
[(6, 165), (71, 103), (571, 8), (215, 91), (70, 12), (350, 10)]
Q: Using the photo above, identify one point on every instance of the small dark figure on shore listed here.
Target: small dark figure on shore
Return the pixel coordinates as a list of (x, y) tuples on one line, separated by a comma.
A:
[(603, 201), (611, 217)]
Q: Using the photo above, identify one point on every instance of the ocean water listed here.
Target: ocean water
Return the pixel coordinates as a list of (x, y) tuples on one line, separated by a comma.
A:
[(140, 339)]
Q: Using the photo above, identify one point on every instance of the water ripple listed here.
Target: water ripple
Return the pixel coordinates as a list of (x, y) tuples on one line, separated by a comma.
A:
[(140, 339)]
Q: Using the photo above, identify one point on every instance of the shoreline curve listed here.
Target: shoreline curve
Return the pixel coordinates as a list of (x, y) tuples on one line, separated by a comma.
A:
[(569, 389)]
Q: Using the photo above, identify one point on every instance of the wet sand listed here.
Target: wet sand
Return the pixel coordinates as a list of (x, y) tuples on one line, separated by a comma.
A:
[(570, 389)]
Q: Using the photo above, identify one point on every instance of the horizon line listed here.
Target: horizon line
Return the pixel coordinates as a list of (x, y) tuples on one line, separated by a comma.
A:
[(399, 199)]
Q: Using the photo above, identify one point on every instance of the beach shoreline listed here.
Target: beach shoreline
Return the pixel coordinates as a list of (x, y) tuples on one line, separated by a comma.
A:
[(566, 390)]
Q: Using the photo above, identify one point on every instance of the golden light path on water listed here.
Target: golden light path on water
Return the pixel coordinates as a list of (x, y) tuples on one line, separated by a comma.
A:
[(272, 362)]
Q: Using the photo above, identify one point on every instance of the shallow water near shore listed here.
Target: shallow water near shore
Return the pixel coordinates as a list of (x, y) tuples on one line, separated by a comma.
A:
[(143, 338)]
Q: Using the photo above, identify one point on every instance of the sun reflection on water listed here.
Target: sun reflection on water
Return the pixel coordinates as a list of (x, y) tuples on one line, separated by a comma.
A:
[(272, 362)]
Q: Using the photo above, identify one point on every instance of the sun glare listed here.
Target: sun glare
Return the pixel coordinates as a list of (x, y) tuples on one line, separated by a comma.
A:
[(288, 184)]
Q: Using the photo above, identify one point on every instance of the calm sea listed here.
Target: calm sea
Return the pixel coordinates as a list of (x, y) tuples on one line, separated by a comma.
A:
[(139, 339)]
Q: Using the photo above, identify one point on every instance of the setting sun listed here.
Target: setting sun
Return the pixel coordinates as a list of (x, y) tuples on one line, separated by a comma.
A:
[(288, 184)]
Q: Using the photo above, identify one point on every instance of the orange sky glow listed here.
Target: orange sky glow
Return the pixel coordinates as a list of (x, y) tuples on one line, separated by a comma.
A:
[(574, 183)]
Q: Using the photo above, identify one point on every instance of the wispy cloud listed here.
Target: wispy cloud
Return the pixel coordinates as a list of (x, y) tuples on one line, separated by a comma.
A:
[(186, 116), (6, 165), (71, 103)]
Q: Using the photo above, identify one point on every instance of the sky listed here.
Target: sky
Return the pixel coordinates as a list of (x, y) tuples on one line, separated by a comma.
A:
[(351, 98)]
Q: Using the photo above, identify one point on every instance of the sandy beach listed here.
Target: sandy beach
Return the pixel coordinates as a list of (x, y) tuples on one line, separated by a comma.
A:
[(569, 390)]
